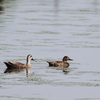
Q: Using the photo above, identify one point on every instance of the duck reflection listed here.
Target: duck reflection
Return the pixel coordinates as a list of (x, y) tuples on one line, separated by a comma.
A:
[(96, 5), (14, 70), (28, 72), (18, 70), (2, 6), (56, 5), (65, 71)]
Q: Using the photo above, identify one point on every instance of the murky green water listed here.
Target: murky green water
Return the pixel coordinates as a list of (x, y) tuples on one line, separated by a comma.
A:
[(49, 30)]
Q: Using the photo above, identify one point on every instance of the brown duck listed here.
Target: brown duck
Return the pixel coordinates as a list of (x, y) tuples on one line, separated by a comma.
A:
[(18, 64), (63, 63)]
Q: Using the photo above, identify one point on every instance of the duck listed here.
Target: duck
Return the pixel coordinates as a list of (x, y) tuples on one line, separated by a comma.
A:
[(63, 63), (18, 64)]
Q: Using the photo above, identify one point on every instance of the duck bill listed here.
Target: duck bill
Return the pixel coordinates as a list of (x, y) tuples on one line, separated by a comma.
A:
[(32, 59), (70, 59)]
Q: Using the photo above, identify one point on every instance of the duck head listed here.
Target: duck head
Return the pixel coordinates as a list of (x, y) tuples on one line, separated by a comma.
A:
[(29, 57), (65, 58)]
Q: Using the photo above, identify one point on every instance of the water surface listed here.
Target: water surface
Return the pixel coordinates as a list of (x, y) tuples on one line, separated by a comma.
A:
[(49, 30)]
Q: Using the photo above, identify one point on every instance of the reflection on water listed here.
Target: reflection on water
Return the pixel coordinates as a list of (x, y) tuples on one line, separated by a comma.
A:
[(18, 70), (28, 72), (96, 6), (14, 70), (2, 6), (56, 5), (65, 71)]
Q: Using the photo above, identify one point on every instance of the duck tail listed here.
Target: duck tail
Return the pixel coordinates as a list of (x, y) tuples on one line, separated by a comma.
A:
[(50, 64), (7, 64)]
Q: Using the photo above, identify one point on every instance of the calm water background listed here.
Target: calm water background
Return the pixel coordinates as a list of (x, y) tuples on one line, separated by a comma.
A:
[(49, 30)]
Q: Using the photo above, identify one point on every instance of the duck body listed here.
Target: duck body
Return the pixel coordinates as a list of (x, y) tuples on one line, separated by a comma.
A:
[(15, 65), (63, 63), (18, 64), (58, 64)]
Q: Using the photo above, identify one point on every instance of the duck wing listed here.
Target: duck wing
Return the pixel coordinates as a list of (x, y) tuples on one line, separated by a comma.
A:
[(54, 63), (15, 65)]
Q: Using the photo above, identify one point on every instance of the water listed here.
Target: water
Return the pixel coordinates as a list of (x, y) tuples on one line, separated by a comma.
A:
[(49, 30)]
